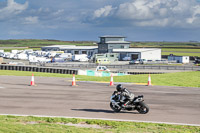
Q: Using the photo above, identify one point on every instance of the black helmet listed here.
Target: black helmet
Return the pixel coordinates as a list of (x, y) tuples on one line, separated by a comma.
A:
[(119, 87)]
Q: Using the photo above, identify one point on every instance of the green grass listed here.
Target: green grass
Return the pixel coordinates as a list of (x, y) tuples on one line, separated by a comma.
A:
[(9, 49), (14, 124), (40, 43), (181, 54), (186, 79), (165, 44), (180, 50)]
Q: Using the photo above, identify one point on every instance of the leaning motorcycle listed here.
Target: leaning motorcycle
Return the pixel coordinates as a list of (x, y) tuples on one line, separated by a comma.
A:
[(117, 100)]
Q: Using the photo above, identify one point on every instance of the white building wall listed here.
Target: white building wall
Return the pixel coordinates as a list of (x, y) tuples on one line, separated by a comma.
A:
[(179, 59), (89, 52), (114, 39), (154, 54), (1, 51), (185, 59)]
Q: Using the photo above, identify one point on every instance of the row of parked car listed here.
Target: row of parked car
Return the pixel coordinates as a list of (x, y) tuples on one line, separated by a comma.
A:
[(144, 61), (42, 56), (138, 61)]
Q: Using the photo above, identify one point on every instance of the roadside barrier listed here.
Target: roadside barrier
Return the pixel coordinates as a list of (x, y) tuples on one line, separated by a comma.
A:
[(73, 80), (111, 80), (99, 73), (153, 67), (149, 80), (32, 80), (38, 69), (72, 71)]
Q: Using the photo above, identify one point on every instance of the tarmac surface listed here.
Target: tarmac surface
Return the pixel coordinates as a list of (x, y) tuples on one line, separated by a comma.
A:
[(56, 97)]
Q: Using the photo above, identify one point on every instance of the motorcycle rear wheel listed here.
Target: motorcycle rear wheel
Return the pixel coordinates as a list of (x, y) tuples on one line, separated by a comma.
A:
[(114, 108), (143, 108)]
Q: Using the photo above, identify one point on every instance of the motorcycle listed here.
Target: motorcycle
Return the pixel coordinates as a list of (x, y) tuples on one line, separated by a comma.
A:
[(137, 103)]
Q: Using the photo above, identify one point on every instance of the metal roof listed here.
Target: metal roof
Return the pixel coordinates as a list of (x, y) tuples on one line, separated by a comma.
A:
[(135, 49), (71, 47), (117, 42), (80, 47), (113, 36), (59, 46)]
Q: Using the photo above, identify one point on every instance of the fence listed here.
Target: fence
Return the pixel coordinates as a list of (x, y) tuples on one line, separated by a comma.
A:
[(73, 71), (155, 67)]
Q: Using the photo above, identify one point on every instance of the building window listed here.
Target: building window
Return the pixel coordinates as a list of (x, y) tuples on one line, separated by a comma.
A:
[(76, 52), (84, 52), (102, 40)]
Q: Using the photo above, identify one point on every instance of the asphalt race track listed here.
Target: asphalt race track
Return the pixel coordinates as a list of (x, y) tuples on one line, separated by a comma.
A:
[(56, 97)]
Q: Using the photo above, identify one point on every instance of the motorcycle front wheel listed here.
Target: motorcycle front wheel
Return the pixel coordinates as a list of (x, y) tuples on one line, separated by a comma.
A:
[(115, 108), (143, 108)]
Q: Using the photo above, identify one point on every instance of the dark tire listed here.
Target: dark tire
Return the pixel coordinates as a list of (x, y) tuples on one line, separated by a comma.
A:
[(114, 108), (143, 108)]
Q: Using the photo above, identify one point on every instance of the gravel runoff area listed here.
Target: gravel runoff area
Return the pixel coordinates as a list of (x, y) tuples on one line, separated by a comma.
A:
[(56, 97)]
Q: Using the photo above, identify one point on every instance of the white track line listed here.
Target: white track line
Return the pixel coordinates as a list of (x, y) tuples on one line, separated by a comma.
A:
[(158, 122)]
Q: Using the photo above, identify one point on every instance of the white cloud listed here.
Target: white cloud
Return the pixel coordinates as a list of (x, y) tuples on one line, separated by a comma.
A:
[(160, 12), (58, 12), (179, 13), (12, 8), (103, 12), (31, 20), (195, 15), (135, 10)]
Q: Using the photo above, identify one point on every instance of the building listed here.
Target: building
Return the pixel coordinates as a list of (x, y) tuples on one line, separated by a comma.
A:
[(117, 44), (105, 58), (73, 49), (139, 53), (89, 50), (179, 59), (56, 47), (108, 43)]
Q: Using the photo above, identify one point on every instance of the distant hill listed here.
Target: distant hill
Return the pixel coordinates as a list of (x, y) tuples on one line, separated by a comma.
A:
[(35, 43), (39, 43), (167, 44)]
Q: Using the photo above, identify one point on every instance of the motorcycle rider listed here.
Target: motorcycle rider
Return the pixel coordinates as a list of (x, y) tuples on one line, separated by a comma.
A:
[(126, 93)]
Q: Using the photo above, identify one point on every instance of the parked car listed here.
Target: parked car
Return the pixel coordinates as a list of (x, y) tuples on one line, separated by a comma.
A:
[(143, 61), (134, 62), (138, 61), (102, 68)]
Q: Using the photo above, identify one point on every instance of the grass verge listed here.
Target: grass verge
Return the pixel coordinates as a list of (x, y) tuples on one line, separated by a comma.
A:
[(185, 79), (180, 50), (10, 49), (181, 54), (40, 43), (11, 124)]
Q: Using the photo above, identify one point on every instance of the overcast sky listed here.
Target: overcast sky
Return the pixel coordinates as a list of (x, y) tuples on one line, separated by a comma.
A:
[(138, 20)]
